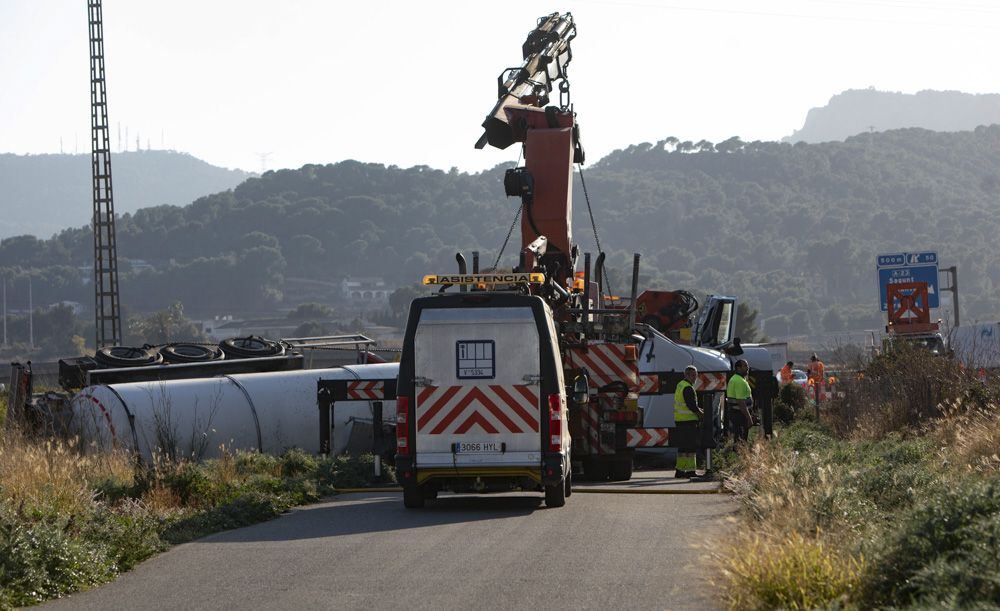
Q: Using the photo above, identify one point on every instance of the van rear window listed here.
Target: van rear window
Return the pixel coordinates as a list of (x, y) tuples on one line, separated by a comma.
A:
[(475, 359)]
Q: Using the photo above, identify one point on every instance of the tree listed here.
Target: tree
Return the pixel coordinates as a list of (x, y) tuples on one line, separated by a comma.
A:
[(311, 329), (399, 300), (777, 326), (746, 324), (801, 323), (311, 311), (833, 321), (163, 327)]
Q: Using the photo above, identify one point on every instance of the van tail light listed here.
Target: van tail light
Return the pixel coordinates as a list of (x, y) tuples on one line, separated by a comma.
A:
[(555, 423), (402, 426)]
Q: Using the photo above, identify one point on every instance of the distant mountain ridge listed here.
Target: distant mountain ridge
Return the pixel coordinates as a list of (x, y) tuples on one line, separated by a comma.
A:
[(860, 110), (44, 194)]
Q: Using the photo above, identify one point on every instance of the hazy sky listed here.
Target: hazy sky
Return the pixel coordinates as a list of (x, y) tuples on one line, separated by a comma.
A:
[(408, 83)]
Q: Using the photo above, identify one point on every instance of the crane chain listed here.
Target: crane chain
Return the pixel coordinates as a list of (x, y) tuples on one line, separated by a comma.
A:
[(510, 231), (593, 225)]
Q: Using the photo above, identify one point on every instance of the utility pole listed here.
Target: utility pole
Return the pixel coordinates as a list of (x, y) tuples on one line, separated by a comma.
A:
[(31, 317), (953, 270), (263, 162), (5, 312), (107, 316)]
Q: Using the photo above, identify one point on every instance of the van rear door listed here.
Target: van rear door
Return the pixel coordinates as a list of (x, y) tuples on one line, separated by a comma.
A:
[(477, 387)]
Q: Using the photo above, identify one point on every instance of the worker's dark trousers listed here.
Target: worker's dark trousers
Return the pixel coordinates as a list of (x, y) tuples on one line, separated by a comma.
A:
[(737, 424), (700, 456)]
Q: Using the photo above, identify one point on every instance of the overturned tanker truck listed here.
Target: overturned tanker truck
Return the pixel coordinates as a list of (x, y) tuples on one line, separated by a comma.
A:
[(248, 394)]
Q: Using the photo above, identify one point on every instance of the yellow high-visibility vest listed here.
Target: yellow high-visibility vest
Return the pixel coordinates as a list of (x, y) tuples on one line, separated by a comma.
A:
[(681, 411)]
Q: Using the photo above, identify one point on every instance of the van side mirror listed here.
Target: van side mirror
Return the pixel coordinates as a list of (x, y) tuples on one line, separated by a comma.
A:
[(732, 347)]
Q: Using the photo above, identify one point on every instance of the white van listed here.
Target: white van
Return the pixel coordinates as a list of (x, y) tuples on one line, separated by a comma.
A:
[(481, 401)]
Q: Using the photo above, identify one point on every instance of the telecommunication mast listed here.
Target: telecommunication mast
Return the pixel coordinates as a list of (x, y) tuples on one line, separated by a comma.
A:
[(106, 309)]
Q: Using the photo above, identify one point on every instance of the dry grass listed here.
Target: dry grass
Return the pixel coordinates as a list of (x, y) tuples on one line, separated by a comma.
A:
[(71, 519), (970, 439), (782, 555), (53, 476), (787, 571), (915, 441)]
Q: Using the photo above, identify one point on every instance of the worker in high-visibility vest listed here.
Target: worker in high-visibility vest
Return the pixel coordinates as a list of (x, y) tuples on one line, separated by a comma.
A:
[(817, 375), (739, 400), (785, 375), (686, 414)]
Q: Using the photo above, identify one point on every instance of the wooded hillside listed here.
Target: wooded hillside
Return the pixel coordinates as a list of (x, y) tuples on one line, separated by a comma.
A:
[(793, 229)]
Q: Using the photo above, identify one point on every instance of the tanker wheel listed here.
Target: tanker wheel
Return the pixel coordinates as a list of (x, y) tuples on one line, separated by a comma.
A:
[(190, 353), (621, 470), (127, 356), (595, 469), (250, 347), (555, 495), (413, 497)]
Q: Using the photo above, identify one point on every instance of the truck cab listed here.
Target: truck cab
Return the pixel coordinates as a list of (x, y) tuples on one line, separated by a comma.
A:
[(714, 350), (482, 401)]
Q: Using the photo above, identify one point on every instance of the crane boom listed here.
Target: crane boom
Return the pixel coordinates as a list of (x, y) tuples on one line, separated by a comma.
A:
[(551, 140), (546, 53)]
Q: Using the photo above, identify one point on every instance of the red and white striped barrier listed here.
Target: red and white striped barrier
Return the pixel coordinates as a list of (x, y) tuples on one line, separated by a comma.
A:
[(366, 390), (649, 384), (647, 438), (710, 381), (456, 409), (605, 363)]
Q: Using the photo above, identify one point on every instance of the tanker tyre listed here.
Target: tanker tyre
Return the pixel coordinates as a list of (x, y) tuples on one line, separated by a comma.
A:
[(126, 356), (595, 469), (413, 497), (621, 470), (555, 495)]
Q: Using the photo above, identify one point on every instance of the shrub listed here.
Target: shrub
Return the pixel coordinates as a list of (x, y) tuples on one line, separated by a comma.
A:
[(42, 559), (81, 518), (788, 572), (295, 462), (347, 472), (248, 463), (128, 534), (792, 395), (189, 482), (245, 509), (944, 551), (900, 390), (783, 412)]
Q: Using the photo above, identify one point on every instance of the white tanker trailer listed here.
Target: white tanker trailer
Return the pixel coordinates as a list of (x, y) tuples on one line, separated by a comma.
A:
[(197, 418)]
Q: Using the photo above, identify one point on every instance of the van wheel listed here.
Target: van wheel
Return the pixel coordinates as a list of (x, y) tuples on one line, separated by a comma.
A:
[(413, 497), (569, 483), (555, 496), (621, 470)]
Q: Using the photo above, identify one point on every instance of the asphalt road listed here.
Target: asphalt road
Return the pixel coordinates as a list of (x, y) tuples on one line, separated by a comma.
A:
[(365, 551)]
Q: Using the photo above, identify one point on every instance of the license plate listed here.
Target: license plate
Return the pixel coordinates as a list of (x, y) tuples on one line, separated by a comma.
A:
[(473, 447)]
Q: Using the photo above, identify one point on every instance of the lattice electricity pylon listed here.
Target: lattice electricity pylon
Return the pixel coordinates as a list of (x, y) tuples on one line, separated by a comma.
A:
[(106, 310)]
